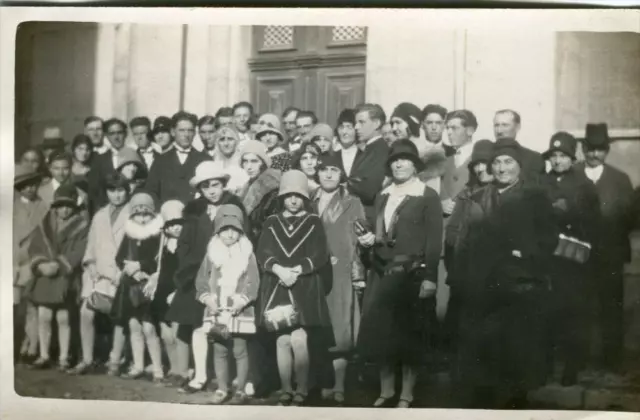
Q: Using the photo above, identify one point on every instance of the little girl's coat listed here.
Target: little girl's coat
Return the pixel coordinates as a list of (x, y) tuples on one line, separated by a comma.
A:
[(63, 242), (229, 275)]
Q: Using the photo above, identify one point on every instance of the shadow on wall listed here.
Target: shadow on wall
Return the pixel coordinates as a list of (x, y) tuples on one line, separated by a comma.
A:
[(55, 79)]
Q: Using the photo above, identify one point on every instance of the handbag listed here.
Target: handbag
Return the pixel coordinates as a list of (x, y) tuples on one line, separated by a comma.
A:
[(100, 302), (282, 316), (224, 324), (572, 249)]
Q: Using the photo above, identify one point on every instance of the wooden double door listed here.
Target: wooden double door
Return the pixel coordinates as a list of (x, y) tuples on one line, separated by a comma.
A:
[(317, 68)]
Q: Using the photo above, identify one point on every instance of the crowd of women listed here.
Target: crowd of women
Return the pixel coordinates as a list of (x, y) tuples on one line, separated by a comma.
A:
[(297, 247)]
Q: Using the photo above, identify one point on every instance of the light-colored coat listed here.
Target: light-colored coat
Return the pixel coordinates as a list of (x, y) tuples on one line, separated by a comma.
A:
[(102, 248), (26, 218)]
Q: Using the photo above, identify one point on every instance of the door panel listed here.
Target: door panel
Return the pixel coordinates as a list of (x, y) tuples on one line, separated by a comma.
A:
[(341, 87), (274, 91)]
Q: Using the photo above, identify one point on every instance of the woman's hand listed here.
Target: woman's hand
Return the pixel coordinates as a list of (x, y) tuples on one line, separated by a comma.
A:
[(367, 240), (49, 268), (131, 267), (211, 303), (448, 206), (170, 298), (238, 305), (427, 289), (150, 288)]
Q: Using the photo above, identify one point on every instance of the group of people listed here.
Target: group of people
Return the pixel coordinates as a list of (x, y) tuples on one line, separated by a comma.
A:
[(299, 247)]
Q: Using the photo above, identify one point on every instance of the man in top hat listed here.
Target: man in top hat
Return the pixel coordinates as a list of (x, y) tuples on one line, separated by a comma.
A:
[(577, 216), (169, 176), (614, 250), (506, 124), (52, 141)]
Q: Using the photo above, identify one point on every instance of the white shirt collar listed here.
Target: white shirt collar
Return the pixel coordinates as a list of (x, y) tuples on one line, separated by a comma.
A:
[(25, 200), (102, 149), (348, 157), (463, 154), (594, 174), (182, 149), (55, 184), (371, 140)]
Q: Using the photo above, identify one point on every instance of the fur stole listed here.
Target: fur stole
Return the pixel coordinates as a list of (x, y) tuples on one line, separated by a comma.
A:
[(140, 232), (254, 192), (231, 261), (435, 160)]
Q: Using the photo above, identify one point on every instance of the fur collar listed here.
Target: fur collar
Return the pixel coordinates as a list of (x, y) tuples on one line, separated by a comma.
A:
[(141, 232), (435, 161), (266, 182), (413, 188), (232, 263)]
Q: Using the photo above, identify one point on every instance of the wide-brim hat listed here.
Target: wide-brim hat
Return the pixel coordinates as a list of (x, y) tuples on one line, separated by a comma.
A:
[(294, 182), (24, 175), (562, 142), (228, 215), (597, 136), (65, 195), (208, 170), (405, 149)]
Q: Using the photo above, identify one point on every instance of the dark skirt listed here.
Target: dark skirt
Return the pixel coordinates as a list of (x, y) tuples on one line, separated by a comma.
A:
[(159, 305), (53, 292), (185, 309), (128, 303), (394, 323)]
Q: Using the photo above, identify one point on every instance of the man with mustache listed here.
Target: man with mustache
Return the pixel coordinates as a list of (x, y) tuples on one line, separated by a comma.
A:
[(614, 250)]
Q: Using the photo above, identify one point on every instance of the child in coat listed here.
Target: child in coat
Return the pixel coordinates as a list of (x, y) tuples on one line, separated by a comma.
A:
[(227, 284), (162, 281), (28, 211), (137, 259), (56, 252)]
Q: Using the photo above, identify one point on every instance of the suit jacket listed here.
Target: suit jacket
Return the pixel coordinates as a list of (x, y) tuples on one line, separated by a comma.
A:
[(615, 192), (169, 179), (454, 179), (101, 166), (155, 157), (533, 166), (367, 175)]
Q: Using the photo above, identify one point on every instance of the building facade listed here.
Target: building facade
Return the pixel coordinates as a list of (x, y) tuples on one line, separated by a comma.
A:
[(556, 80)]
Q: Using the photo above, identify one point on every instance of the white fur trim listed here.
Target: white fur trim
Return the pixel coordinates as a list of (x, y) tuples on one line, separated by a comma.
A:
[(231, 261), (141, 232)]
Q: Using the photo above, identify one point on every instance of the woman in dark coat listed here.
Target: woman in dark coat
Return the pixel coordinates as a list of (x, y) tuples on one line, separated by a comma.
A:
[(577, 213), (210, 180), (294, 256), (503, 286), (405, 253)]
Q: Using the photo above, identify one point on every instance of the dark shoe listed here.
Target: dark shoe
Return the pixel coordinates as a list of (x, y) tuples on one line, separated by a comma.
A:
[(40, 364), (299, 400), (383, 402), (285, 399), (82, 368), (192, 387), (28, 359)]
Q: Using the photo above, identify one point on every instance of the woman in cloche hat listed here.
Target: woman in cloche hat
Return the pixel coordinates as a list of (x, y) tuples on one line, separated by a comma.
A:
[(270, 134), (406, 245), (293, 256)]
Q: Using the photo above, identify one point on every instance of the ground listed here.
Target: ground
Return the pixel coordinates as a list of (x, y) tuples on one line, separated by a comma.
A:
[(597, 391)]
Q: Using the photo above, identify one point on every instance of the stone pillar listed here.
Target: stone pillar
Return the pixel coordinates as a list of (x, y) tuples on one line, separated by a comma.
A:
[(122, 54), (105, 70), (512, 70), (198, 52)]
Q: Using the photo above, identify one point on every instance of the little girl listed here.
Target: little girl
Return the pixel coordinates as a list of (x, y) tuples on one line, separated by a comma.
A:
[(56, 250), (137, 258), (162, 281), (227, 284)]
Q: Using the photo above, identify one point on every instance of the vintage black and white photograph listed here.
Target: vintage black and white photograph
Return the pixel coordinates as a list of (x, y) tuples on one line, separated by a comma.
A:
[(376, 215)]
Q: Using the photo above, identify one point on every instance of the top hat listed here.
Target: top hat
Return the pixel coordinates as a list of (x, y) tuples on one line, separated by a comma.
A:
[(597, 136)]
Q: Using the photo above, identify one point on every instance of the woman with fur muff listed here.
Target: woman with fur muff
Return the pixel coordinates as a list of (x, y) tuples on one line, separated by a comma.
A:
[(227, 284), (339, 212), (137, 260), (210, 179), (405, 123), (294, 256), (56, 251)]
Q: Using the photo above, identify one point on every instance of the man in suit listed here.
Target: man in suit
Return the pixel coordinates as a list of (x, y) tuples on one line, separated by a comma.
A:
[(106, 163), (346, 131), (506, 124), (289, 116), (369, 166), (242, 116), (60, 169), (461, 126), (146, 148), (170, 174), (613, 250), (93, 128)]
